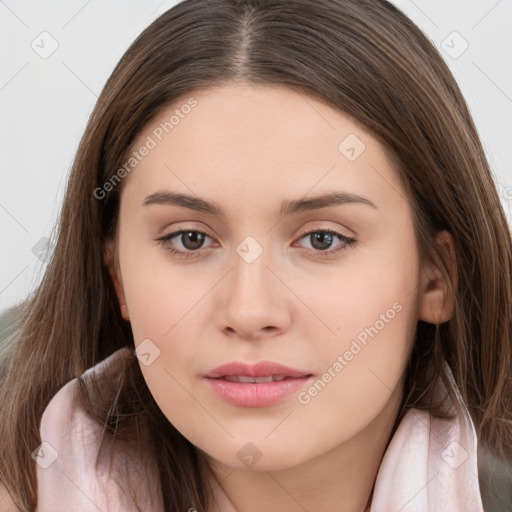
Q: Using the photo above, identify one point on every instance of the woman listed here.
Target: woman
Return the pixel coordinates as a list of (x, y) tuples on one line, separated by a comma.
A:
[(283, 262)]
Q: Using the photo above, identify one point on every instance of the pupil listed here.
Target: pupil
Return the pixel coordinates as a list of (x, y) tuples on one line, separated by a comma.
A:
[(197, 239), (321, 237)]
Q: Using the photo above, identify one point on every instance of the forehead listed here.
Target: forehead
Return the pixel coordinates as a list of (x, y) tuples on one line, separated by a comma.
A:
[(266, 140)]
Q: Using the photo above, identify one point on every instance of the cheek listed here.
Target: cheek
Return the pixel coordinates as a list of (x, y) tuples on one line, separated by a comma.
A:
[(164, 302), (372, 293), (371, 307), (363, 364), (159, 292)]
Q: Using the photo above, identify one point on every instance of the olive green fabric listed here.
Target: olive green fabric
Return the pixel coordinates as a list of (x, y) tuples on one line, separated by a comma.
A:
[(495, 478), (8, 325)]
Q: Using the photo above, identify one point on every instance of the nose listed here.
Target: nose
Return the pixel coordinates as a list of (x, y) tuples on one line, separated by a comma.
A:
[(254, 302)]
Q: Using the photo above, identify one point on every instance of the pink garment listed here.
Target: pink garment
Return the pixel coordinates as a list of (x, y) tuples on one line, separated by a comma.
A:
[(430, 465), (66, 477)]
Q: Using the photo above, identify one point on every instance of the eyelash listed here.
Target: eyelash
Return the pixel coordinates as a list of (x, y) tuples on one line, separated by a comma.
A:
[(347, 242)]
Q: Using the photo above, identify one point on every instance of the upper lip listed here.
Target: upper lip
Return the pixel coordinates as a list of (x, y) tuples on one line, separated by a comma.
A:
[(260, 369)]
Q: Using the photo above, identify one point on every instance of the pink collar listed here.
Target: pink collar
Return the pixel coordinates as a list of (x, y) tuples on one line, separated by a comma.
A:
[(429, 465)]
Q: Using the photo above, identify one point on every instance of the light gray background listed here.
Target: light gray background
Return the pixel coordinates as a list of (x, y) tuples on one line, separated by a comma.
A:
[(45, 100)]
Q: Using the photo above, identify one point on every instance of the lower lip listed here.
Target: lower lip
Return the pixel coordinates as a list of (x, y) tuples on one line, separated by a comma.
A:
[(256, 395)]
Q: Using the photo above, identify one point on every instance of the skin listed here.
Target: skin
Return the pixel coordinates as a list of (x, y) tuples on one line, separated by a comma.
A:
[(247, 148)]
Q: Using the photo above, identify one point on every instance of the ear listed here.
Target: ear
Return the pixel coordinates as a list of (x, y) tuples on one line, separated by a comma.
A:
[(110, 260), (437, 299)]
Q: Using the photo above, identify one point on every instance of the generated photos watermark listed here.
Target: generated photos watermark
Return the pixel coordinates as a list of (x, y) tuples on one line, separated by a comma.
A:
[(151, 143), (342, 360)]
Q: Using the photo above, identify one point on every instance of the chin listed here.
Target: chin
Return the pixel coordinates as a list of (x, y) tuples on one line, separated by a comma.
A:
[(251, 456)]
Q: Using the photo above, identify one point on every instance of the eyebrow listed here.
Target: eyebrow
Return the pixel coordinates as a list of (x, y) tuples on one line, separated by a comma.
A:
[(287, 207)]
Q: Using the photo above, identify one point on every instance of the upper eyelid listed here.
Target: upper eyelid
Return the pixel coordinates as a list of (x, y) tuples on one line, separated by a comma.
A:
[(342, 231)]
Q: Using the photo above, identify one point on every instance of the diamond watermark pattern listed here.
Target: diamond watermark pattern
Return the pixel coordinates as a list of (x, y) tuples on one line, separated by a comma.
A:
[(352, 147), (45, 45), (454, 455), (454, 45), (42, 249), (249, 250), (249, 454), (45, 455), (147, 352)]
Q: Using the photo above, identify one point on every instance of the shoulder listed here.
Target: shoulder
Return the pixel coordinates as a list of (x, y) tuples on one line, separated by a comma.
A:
[(68, 433), (6, 503), (70, 442), (76, 446), (64, 409), (57, 426)]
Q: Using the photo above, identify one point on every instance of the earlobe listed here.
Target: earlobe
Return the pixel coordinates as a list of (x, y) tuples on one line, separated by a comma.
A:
[(109, 258), (437, 298)]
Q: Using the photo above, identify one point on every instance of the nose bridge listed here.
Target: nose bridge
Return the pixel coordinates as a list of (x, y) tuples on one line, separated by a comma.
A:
[(252, 299), (251, 277)]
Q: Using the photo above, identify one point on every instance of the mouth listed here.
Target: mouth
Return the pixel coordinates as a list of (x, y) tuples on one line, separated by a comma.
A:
[(261, 372), (260, 385), (246, 379)]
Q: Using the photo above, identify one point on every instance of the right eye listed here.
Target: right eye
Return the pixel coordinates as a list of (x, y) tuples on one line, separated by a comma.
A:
[(191, 240)]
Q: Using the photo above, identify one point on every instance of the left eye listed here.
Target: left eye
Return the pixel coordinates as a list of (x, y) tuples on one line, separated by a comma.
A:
[(321, 241)]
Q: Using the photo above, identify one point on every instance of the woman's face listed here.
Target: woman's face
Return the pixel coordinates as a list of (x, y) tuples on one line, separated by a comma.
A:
[(299, 249)]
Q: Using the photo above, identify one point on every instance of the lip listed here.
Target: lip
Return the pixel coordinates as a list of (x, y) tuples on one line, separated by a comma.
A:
[(256, 394), (260, 369)]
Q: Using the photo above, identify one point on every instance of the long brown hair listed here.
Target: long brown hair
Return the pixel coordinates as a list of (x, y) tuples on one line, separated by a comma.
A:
[(364, 57)]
